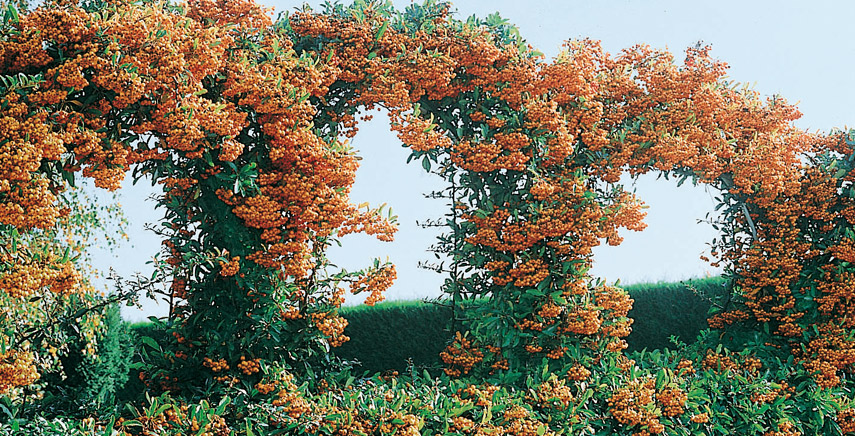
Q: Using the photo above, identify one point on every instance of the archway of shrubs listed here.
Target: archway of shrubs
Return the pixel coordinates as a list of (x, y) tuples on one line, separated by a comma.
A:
[(243, 122)]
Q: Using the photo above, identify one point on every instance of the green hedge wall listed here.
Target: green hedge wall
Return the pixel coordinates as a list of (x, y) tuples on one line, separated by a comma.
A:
[(420, 329), (134, 389), (680, 309)]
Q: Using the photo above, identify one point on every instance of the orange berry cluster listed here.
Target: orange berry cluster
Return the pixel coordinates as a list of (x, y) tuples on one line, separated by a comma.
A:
[(554, 394), (615, 304), (672, 400), (578, 373), (17, 368), (701, 418), (504, 152), (215, 365), (846, 420), (462, 424), (631, 405), (499, 364), (685, 368), (785, 428), (516, 412), (332, 327), (265, 388), (769, 395), (583, 321), (248, 367), (483, 395), (29, 277), (376, 281), (556, 353), (182, 419), (230, 268), (829, 354), (527, 427), (461, 356), (718, 362)]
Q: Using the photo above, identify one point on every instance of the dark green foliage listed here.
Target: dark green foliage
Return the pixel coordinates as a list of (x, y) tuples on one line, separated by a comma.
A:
[(91, 382), (148, 329), (420, 331), (134, 389)]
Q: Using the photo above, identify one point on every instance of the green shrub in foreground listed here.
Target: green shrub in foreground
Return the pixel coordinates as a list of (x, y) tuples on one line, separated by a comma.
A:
[(721, 393)]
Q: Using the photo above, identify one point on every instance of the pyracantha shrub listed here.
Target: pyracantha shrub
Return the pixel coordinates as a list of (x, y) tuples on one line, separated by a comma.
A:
[(244, 123)]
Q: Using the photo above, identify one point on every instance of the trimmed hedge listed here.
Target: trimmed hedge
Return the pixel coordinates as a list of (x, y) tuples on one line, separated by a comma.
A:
[(420, 330), (134, 389), (680, 309)]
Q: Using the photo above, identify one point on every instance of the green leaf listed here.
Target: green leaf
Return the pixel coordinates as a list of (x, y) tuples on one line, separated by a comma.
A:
[(426, 163), (12, 14), (160, 410), (150, 342), (381, 31)]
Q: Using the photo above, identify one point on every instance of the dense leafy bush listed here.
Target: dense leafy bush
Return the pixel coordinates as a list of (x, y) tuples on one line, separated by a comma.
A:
[(58, 426)]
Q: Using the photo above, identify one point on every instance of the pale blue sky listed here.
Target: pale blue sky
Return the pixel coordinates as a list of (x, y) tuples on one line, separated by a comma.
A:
[(801, 50)]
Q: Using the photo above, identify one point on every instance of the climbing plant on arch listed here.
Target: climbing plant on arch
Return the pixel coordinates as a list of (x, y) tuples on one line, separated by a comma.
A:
[(244, 121)]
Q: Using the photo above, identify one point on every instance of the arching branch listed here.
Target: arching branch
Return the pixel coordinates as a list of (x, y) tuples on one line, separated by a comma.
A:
[(727, 183)]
